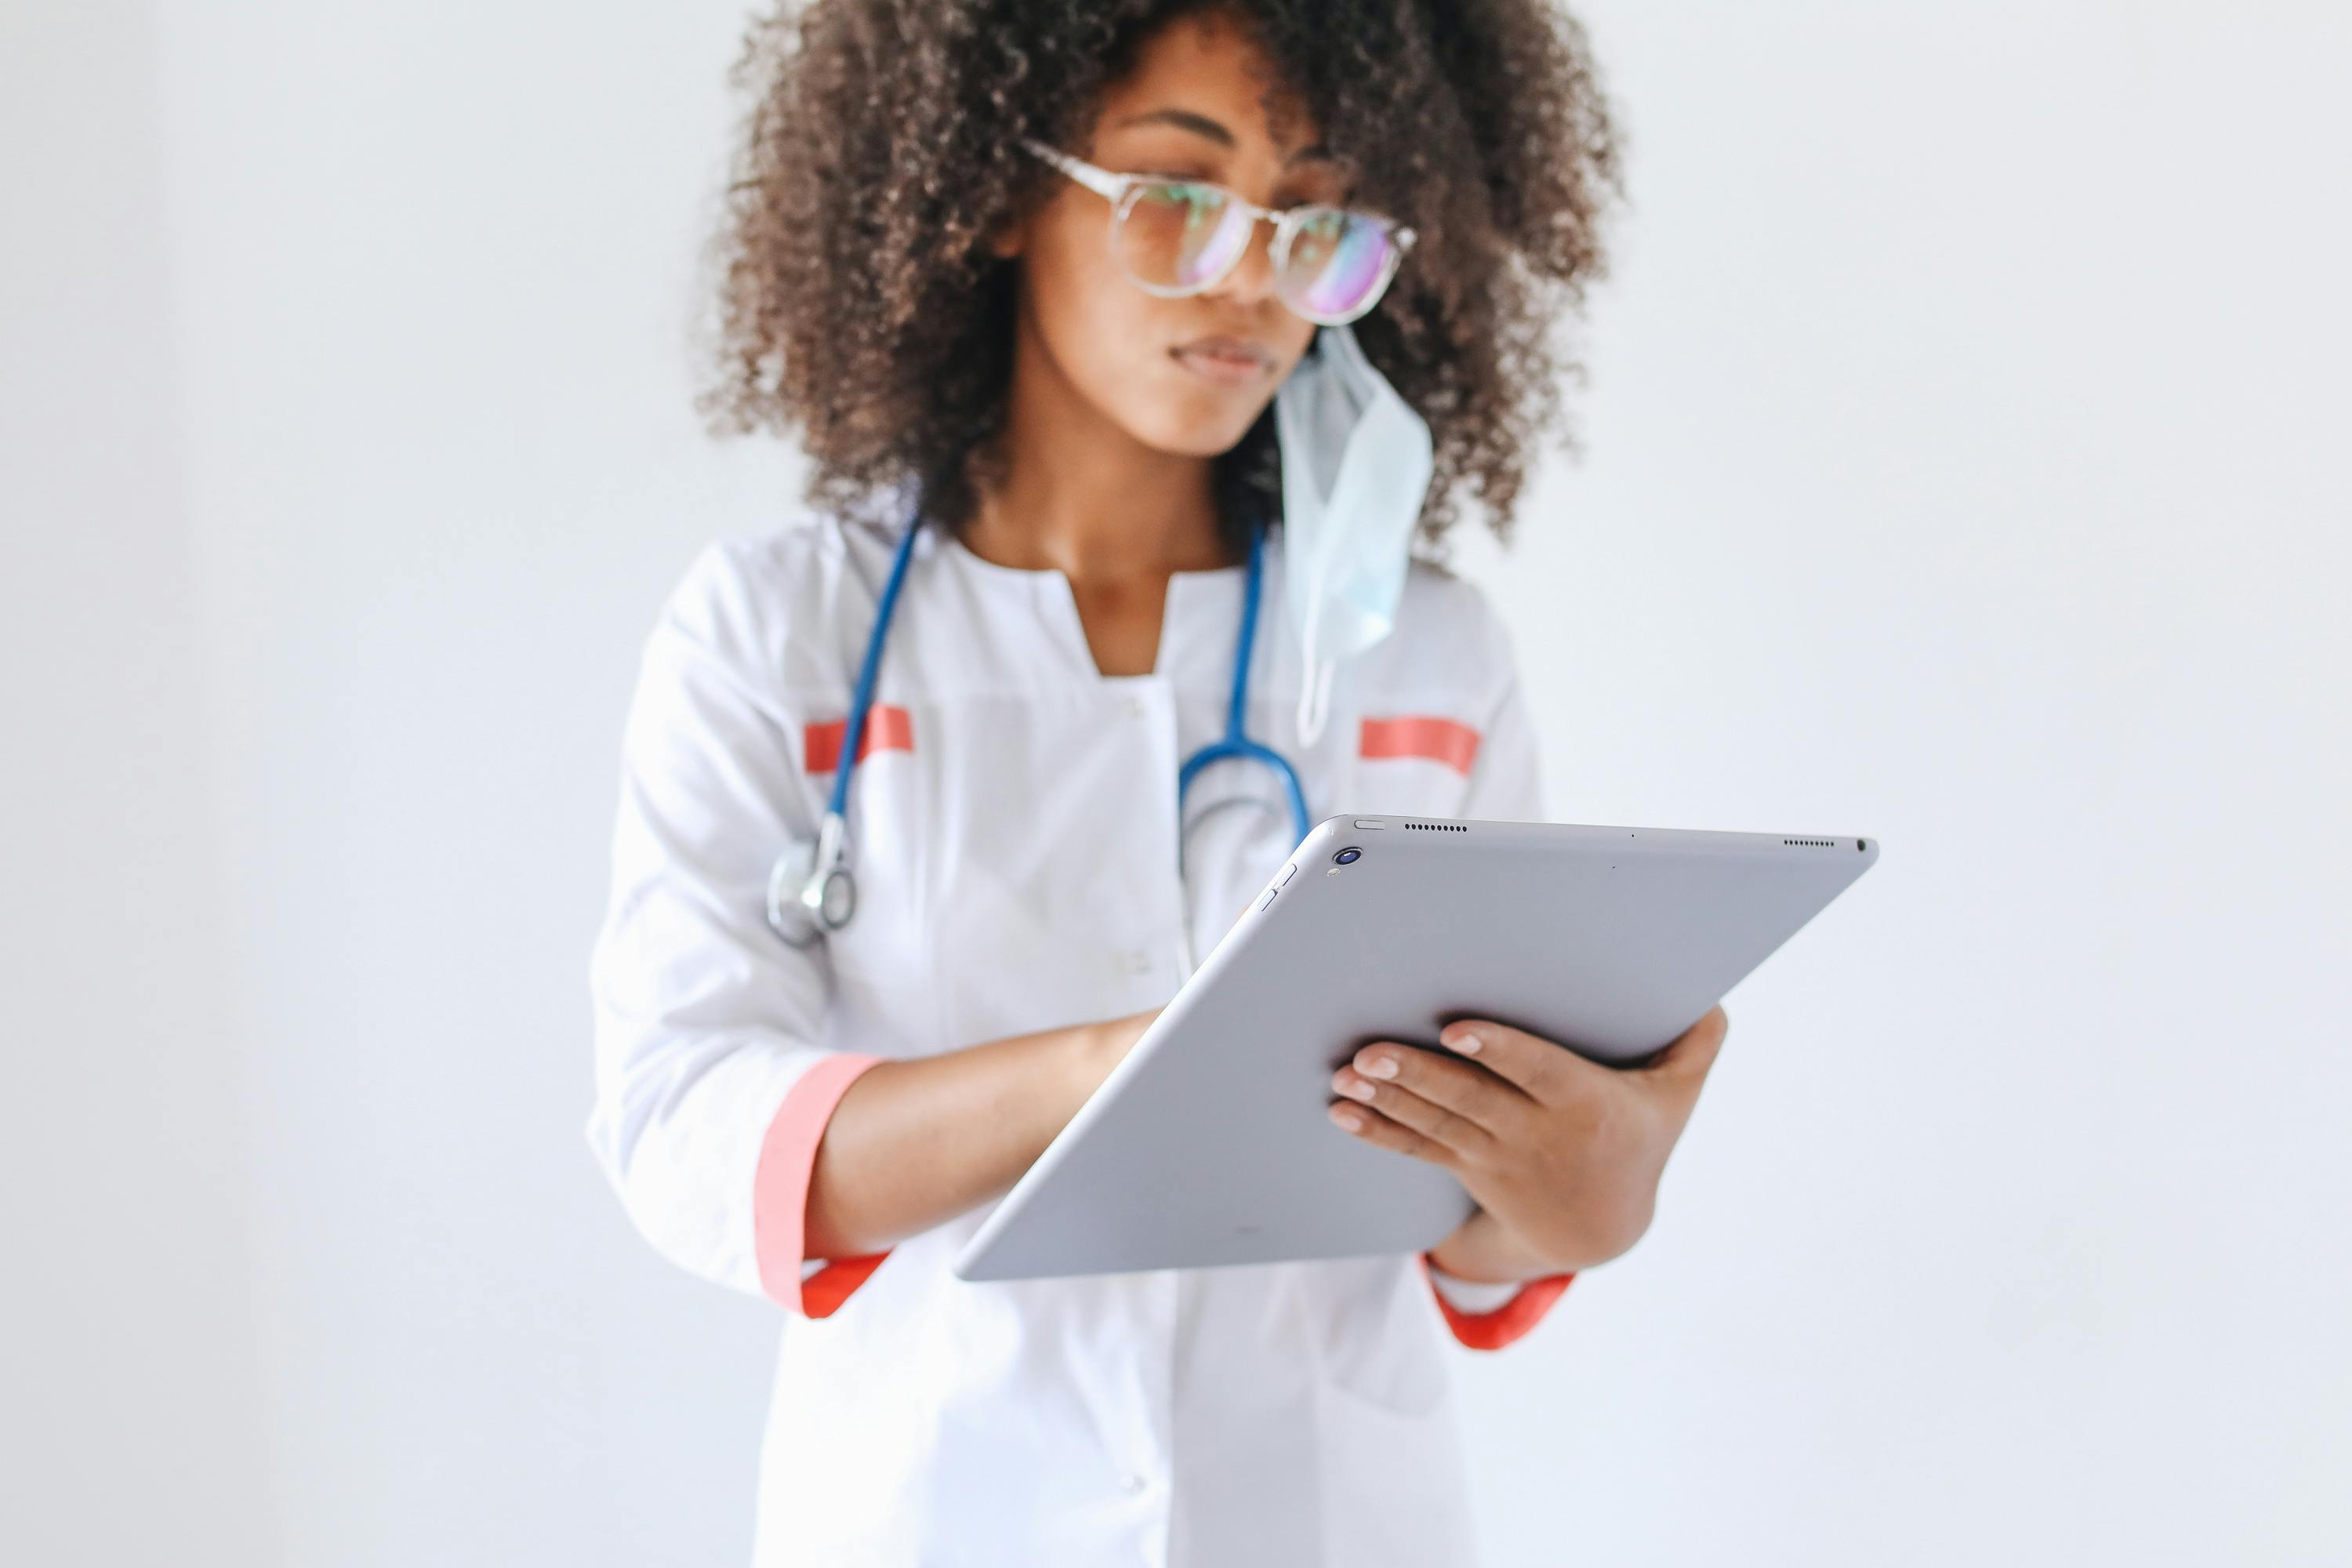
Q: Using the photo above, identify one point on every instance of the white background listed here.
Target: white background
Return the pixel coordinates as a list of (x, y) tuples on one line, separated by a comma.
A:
[(1964, 466)]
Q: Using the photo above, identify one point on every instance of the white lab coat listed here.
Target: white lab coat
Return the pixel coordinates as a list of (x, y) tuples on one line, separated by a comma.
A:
[(1014, 826)]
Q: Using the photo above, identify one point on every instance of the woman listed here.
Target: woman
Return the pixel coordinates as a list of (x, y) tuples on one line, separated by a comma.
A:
[(1043, 402)]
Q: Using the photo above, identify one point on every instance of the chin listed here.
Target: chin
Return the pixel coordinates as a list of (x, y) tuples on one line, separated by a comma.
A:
[(1188, 427)]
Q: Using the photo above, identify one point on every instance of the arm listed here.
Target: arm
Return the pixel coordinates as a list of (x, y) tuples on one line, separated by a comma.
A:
[(1564, 1171), (743, 1147), (913, 1144), (707, 1027), (1562, 1155)]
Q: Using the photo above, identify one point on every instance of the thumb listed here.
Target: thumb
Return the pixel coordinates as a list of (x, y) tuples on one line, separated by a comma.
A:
[(1687, 1057)]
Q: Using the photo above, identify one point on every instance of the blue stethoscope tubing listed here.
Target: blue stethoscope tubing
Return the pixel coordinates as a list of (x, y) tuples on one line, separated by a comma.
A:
[(811, 889)]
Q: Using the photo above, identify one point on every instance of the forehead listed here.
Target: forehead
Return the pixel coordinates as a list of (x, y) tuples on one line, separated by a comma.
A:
[(1206, 64)]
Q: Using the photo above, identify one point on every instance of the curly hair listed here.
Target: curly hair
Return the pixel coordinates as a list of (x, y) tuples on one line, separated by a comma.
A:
[(858, 302)]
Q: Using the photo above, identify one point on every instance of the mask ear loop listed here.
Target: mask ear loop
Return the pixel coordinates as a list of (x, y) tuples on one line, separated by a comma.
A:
[(1315, 685), (1316, 677)]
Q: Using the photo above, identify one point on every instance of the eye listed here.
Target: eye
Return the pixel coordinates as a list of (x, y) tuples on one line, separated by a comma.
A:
[(1324, 224), (1192, 203)]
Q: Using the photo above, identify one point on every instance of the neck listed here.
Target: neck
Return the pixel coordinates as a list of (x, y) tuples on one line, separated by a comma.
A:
[(1081, 495)]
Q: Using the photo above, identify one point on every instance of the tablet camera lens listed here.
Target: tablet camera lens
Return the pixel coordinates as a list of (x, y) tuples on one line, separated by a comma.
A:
[(1348, 855)]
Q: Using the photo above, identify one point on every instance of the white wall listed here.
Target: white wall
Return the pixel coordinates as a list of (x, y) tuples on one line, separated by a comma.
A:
[(1966, 467), (129, 1421), (1955, 475)]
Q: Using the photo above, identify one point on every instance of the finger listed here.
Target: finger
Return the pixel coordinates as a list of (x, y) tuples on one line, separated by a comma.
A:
[(1545, 1072), (1464, 1088), (1364, 1123), (1401, 1105)]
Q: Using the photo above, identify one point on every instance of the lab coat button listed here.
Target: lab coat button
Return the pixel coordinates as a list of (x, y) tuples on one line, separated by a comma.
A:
[(1132, 707), (1138, 1482)]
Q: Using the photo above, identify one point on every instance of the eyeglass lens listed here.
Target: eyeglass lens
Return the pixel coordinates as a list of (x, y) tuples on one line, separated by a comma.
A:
[(1336, 260), (1182, 236)]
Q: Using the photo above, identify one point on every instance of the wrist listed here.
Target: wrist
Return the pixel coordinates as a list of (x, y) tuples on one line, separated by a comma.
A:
[(1483, 1251)]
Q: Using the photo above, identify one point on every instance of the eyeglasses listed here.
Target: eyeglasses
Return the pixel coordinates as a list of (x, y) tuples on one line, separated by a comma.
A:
[(1174, 237)]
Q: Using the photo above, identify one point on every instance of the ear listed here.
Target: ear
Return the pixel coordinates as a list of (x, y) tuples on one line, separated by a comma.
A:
[(1008, 239)]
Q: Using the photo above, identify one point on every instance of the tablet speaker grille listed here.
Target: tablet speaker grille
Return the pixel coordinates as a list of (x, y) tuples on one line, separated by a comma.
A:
[(1438, 826), (1812, 843)]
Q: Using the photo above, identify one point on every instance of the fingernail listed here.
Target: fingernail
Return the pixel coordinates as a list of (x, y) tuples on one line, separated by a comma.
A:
[(1380, 1066), (1355, 1089), (1347, 1119), (1464, 1040)]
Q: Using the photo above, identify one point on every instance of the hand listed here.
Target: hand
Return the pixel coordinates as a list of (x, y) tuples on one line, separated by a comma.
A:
[(1562, 1154)]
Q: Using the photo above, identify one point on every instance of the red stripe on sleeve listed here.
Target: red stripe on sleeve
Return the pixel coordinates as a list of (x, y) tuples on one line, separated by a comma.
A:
[(887, 729), (1492, 1331), (1445, 741), (780, 1186)]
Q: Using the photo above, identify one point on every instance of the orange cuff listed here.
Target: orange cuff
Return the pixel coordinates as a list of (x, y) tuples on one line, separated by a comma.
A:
[(780, 1187), (1492, 1331)]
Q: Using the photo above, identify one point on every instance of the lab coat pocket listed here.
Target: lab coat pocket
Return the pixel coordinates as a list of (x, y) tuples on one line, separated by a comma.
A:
[(1390, 1453), (1375, 1345)]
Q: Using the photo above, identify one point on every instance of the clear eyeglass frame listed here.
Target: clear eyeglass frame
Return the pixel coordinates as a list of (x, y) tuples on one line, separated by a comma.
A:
[(1122, 192)]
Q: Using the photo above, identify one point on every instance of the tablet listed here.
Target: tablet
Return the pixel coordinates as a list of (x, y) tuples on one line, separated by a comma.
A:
[(1210, 1144)]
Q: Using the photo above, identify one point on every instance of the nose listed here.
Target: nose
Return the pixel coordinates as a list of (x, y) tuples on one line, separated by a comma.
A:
[(1251, 281)]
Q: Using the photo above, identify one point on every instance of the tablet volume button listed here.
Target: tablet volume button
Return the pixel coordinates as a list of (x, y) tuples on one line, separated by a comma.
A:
[(1288, 872), (1267, 899)]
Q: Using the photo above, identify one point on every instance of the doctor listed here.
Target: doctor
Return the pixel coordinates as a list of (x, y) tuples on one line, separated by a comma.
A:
[(1065, 305)]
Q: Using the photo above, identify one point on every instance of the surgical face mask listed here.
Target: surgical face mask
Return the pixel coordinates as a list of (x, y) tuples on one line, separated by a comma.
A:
[(1356, 463)]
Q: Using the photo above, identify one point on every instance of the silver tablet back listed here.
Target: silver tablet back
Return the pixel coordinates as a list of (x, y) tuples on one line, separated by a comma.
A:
[(1210, 1143)]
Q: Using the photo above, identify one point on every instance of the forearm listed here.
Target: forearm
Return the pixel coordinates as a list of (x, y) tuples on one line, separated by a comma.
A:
[(913, 1144)]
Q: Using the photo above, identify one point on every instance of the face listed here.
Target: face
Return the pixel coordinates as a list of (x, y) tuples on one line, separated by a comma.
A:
[(1187, 375)]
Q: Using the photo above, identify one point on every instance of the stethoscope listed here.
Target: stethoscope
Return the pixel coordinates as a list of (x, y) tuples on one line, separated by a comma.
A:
[(812, 891)]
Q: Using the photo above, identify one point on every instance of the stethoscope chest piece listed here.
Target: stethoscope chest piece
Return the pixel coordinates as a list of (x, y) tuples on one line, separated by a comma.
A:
[(811, 892)]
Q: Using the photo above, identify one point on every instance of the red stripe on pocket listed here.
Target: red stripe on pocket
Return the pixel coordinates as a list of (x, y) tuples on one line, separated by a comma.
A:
[(887, 729), (1439, 740)]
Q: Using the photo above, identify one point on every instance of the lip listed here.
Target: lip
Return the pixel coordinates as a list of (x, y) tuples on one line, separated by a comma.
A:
[(1228, 361)]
